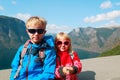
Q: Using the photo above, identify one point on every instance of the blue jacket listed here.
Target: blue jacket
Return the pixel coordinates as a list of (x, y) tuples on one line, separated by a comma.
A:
[(33, 69)]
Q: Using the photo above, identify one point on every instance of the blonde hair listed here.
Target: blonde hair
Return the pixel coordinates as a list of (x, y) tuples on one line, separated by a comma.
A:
[(36, 21), (63, 36)]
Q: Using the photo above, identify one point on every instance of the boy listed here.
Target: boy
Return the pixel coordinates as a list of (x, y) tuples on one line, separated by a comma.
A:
[(36, 60)]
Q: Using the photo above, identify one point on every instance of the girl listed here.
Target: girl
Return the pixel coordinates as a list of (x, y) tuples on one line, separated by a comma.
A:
[(68, 64)]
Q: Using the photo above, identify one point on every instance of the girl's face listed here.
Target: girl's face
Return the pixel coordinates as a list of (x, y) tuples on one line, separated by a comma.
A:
[(36, 33), (62, 45)]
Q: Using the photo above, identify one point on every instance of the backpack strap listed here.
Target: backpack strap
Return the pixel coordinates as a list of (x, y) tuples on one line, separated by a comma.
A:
[(21, 57), (71, 54), (41, 57), (25, 48)]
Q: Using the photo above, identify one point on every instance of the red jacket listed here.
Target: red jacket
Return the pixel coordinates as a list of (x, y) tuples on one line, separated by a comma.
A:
[(65, 59)]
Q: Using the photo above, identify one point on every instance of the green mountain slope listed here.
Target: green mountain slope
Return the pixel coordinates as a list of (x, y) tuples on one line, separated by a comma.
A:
[(114, 51)]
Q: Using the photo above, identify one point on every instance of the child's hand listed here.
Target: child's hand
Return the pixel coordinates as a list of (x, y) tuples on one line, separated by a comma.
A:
[(67, 70)]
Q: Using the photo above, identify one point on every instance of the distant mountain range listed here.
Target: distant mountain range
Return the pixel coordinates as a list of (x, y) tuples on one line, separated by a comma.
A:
[(87, 42), (95, 39), (12, 35)]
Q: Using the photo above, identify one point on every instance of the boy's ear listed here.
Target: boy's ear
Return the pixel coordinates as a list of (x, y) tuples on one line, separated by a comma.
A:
[(26, 30)]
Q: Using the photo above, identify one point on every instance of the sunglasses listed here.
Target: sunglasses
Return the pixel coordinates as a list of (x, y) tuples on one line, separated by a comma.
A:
[(61, 42), (33, 31)]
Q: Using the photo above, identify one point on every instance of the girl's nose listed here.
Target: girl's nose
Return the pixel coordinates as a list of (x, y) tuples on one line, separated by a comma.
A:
[(62, 44)]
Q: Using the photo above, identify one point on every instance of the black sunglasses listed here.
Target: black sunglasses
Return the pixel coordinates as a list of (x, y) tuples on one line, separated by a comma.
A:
[(33, 31)]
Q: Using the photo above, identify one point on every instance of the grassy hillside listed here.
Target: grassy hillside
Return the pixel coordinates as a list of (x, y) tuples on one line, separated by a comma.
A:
[(114, 51)]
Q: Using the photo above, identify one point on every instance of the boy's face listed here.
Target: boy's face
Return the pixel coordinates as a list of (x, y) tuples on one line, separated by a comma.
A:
[(36, 33)]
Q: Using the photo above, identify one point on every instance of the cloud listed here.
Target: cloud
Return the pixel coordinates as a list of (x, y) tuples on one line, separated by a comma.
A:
[(105, 5), (52, 28), (14, 2), (1, 8), (23, 17), (111, 24), (101, 17)]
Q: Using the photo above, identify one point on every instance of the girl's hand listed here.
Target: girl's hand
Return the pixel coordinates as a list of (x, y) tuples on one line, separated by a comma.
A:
[(67, 70)]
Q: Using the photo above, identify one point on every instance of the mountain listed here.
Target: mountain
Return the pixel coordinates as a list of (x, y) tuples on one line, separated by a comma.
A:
[(95, 40), (12, 35), (113, 51), (87, 42)]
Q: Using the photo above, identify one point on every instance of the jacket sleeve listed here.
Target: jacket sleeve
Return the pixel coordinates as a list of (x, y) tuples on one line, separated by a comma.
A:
[(77, 63), (15, 64), (48, 67)]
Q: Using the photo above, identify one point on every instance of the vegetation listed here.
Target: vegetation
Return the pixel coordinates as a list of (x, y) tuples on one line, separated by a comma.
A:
[(114, 51)]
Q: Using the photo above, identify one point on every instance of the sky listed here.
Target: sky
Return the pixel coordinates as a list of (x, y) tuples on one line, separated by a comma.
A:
[(65, 15)]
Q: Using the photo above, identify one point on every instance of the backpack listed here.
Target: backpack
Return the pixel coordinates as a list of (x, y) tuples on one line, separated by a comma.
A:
[(41, 56)]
